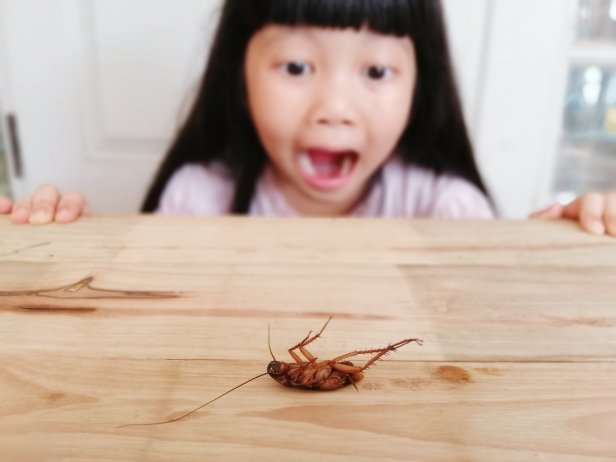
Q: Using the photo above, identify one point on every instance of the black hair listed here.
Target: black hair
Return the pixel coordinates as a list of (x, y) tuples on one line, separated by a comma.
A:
[(219, 126)]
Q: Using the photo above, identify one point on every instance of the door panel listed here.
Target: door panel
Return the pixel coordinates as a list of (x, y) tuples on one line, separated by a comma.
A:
[(138, 66)]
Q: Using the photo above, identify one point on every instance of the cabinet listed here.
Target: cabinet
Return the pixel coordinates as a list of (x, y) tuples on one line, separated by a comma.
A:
[(587, 152)]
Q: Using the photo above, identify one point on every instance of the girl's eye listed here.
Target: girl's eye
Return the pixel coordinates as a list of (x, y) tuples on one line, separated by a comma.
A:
[(296, 68), (378, 72)]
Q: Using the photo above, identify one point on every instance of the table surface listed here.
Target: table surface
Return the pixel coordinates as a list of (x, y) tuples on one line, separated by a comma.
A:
[(117, 320)]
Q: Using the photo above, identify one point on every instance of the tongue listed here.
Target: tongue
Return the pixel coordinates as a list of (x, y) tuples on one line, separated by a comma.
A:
[(327, 164)]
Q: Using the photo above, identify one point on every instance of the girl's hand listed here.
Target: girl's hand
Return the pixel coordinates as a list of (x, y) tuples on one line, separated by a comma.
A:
[(45, 206), (596, 212)]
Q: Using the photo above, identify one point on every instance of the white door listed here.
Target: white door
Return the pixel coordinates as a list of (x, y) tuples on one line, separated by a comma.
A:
[(98, 87)]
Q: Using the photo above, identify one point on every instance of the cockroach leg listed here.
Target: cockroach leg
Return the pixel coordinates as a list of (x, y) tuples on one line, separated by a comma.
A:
[(378, 354), (301, 346)]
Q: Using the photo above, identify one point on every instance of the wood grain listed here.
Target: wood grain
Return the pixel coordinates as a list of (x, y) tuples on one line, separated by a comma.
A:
[(115, 320)]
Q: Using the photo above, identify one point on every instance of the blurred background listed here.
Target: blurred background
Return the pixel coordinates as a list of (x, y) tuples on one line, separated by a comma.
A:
[(91, 91), (587, 150)]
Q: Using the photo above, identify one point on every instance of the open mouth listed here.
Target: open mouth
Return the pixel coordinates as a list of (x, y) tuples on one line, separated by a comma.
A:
[(327, 169)]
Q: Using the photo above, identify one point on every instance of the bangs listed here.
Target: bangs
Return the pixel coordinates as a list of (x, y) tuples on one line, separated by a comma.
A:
[(391, 17)]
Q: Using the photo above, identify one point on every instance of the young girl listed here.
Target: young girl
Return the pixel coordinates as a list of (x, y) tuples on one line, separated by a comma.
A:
[(323, 108)]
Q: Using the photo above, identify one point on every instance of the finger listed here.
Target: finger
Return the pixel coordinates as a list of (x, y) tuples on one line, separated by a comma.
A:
[(21, 210), (589, 210), (71, 206), (44, 204), (5, 205), (553, 211), (572, 209), (609, 214)]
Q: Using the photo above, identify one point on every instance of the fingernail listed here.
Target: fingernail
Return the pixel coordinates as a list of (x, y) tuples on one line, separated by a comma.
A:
[(20, 215), (40, 216), (63, 214), (20, 212), (597, 227)]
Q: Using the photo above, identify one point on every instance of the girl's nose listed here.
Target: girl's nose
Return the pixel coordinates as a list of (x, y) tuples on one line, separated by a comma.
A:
[(333, 106)]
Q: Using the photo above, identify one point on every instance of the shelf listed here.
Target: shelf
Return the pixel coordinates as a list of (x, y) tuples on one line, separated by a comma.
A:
[(596, 136), (596, 53)]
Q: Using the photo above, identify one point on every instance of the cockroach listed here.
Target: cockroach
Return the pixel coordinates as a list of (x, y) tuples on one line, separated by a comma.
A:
[(308, 374)]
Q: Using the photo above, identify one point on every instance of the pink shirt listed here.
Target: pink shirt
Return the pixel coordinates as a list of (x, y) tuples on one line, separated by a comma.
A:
[(400, 191)]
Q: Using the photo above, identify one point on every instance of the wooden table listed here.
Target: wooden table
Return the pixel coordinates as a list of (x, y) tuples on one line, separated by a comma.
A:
[(116, 320)]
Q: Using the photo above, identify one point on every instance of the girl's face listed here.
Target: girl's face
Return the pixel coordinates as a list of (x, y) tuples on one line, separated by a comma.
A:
[(329, 106)]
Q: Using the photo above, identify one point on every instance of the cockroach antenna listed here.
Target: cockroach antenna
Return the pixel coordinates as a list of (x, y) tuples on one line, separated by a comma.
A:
[(194, 410), (269, 344)]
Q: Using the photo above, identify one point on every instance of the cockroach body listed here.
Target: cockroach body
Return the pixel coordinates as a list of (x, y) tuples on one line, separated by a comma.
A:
[(325, 375), (321, 376), (309, 374)]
